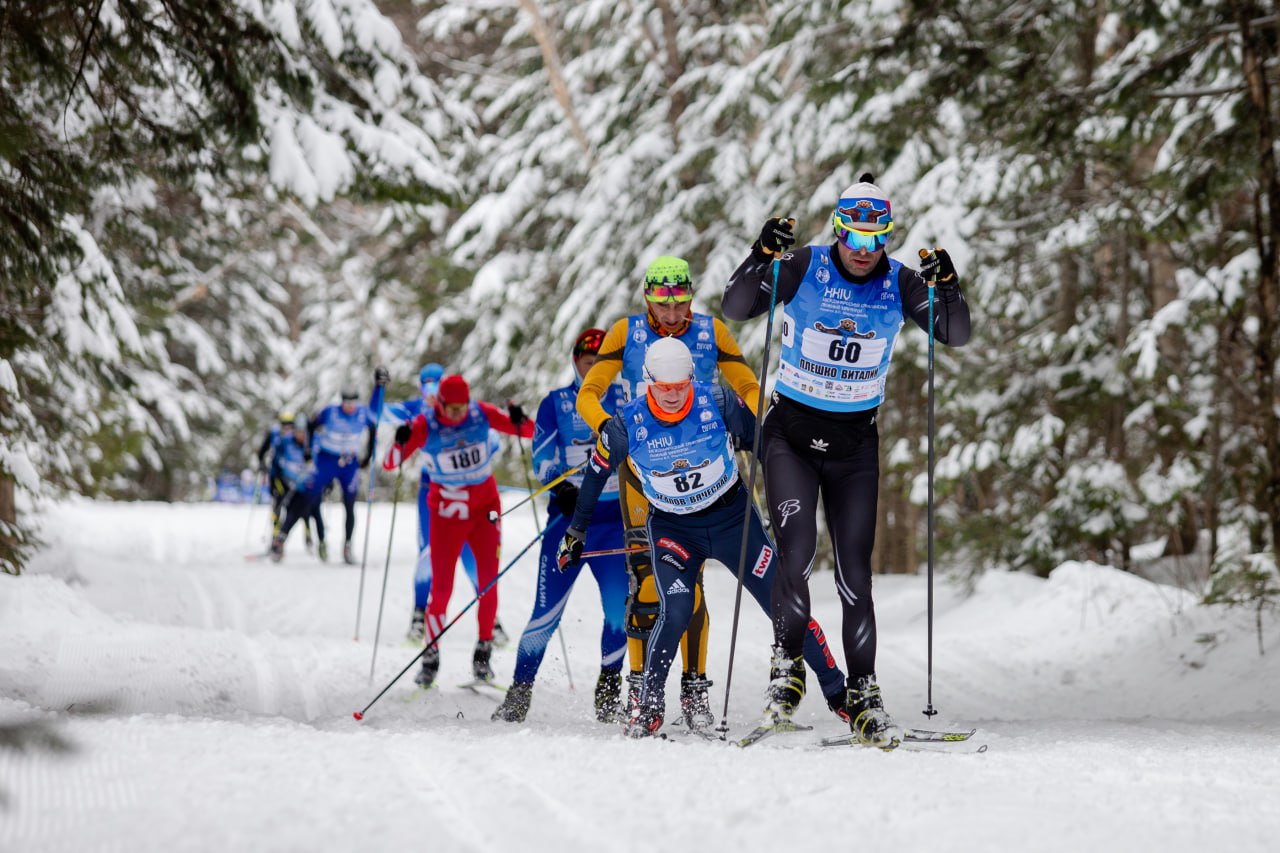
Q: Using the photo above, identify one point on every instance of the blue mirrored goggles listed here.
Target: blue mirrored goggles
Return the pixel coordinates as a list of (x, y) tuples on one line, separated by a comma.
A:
[(857, 240), (430, 388)]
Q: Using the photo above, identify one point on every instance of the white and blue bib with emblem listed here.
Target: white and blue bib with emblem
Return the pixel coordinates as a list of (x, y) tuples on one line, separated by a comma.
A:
[(838, 337), (686, 466)]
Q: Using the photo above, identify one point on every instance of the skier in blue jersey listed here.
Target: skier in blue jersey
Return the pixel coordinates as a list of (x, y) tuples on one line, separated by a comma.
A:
[(286, 426), (341, 443), (562, 441), (679, 441), (399, 413), (289, 467), (843, 305)]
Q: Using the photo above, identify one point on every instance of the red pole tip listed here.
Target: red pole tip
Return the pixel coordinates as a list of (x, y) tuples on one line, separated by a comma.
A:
[(358, 715)]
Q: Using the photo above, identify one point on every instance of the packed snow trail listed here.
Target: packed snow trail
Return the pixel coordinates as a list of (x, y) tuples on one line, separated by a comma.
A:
[(210, 699)]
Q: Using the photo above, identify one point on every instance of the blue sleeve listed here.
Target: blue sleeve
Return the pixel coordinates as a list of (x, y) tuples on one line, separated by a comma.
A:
[(398, 413), (610, 454), (546, 442), (738, 419), (375, 405)]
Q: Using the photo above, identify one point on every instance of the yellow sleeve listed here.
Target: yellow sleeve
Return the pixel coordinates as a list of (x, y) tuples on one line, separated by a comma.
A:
[(733, 366), (601, 375)]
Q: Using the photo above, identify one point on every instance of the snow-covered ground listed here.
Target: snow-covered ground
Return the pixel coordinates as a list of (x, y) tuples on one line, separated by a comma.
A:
[(209, 700)]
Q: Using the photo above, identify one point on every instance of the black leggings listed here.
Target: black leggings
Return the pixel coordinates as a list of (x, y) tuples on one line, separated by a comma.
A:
[(847, 474)]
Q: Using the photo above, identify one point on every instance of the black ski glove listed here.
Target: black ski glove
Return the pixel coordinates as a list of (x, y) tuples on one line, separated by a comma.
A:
[(566, 497), (777, 236), (403, 433), (570, 551), (936, 267), (381, 376), (516, 414)]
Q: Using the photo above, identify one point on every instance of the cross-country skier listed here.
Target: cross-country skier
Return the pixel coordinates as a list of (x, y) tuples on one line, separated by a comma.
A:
[(454, 437), (679, 441), (668, 293), (562, 441), (341, 440), (290, 464), (286, 424), (402, 412), (843, 306)]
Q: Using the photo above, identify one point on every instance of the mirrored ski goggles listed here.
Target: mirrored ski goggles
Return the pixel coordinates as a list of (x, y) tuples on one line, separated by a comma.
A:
[(430, 388), (668, 291), (671, 387), (857, 240)]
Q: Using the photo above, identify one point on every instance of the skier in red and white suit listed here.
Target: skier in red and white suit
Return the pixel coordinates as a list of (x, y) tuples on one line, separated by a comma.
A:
[(454, 438)]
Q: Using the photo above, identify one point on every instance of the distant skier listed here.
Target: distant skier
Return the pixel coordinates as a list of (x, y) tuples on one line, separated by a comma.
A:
[(844, 304), (286, 427), (679, 442), (341, 440), (562, 441), (290, 464), (454, 437), (402, 412)]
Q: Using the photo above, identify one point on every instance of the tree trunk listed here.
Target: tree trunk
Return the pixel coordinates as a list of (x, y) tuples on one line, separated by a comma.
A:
[(9, 518)]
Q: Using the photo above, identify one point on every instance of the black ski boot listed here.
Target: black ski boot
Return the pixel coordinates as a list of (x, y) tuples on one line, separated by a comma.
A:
[(417, 627), (515, 707), (695, 702), (430, 667), (786, 685), (480, 667), (867, 717), (836, 702), (608, 694), (500, 638), (644, 721), (323, 551)]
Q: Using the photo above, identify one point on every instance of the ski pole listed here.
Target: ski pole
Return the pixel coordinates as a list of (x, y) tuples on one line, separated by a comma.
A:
[(253, 502), (359, 715), (609, 552), (929, 710), (386, 569), (723, 729), (524, 459), (368, 517), (494, 515)]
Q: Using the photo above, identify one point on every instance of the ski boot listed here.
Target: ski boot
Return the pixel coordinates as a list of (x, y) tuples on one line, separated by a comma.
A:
[(786, 685), (836, 702), (644, 721), (867, 717), (608, 691), (635, 680), (417, 627), (348, 557), (430, 667), (322, 550), (480, 667), (515, 706), (277, 549), (695, 703), (500, 638)]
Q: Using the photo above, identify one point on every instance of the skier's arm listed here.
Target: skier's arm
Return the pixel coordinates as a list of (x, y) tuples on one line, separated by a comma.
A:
[(747, 294), (262, 451), (500, 421), (610, 453), (400, 451), (951, 322), (739, 375), (601, 375), (739, 419), (546, 442)]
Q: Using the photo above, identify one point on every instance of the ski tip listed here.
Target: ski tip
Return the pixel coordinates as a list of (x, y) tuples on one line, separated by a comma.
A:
[(358, 715)]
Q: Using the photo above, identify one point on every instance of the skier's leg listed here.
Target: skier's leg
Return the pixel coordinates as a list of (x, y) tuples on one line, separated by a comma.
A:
[(611, 576), (485, 539), (675, 577), (548, 604), (791, 488), (422, 570)]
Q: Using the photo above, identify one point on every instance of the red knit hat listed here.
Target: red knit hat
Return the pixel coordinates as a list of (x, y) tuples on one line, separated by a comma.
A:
[(453, 389)]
